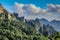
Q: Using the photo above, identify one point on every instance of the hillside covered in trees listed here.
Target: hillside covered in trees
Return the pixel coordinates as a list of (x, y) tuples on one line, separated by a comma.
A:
[(13, 29)]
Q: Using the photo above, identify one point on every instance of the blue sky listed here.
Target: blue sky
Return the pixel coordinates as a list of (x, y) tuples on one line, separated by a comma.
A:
[(39, 3), (37, 9)]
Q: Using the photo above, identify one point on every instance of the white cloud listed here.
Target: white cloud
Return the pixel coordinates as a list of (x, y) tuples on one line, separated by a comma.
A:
[(53, 8), (19, 5), (58, 8), (32, 8), (31, 11)]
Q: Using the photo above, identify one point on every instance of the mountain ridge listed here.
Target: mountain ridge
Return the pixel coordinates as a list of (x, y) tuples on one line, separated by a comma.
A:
[(12, 28), (53, 23)]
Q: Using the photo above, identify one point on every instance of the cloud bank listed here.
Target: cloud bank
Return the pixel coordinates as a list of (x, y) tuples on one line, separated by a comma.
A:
[(30, 11)]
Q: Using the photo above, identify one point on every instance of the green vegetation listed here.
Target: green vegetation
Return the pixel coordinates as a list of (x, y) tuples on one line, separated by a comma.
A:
[(13, 29), (57, 37)]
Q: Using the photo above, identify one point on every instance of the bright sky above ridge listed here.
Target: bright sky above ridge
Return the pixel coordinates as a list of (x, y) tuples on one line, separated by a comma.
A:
[(49, 9)]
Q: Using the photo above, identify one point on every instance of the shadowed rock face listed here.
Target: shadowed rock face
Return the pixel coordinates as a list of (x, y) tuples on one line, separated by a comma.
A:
[(1, 9)]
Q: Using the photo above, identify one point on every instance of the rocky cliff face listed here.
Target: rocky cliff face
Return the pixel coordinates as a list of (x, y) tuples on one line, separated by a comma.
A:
[(1, 9), (39, 25), (4, 14)]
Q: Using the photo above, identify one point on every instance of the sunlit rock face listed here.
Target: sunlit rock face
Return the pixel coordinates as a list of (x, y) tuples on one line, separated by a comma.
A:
[(6, 15), (1, 9)]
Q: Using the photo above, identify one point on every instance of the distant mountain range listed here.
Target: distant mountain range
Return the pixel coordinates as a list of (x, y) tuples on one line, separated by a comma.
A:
[(44, 21), (53, 23), (38, 24)]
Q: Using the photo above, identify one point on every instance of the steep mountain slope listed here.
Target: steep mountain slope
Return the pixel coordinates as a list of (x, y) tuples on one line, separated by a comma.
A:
[(13, 29)]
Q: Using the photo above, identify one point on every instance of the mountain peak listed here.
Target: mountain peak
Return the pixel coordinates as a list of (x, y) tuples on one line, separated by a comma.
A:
[(1, 9)]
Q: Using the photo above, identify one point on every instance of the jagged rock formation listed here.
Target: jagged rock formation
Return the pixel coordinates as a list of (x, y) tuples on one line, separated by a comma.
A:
[(22, 19), (39, 25), (13, 29)]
